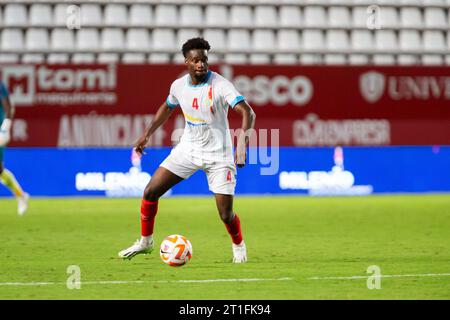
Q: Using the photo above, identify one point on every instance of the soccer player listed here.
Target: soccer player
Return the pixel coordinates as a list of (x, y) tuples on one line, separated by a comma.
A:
[(6, 177), (204, 97)]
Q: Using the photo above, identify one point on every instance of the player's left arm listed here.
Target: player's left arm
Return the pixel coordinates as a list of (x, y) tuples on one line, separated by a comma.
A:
[(248, 123), (9, 115), (8, 107)]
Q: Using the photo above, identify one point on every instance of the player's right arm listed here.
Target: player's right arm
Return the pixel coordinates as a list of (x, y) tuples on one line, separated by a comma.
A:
[(164, 112)]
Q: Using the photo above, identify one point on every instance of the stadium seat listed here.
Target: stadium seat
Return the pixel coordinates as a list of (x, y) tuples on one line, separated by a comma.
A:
[(9, 58), (265, 16), (241, 16), (435, 18), (36, 39), (341, 2), (191, 15), (259, 58), (35, 58), (216, 15), (87, 39), (163, 40), (311, 59), (12, 39), (238, 40), (15, 15), (361, 40), (236, 58), (140, 15), (115, 15), (434, 2), (388, 17), (411, 17), (385, 40), (448, 40), (411, 2), (137, 39), (216, 39), (185, 34), (285, 59), (91, 15), (336, 40), (178, 59), (58, 58), (112, 39), (159, 58), (409, 40), (358, 59), (359, 17), (339, 17), (214, 58), (83, 58), (290, 16), (313, 40), (40, 15), (262, 40), (106, 57), (61, 39), (133, 58), (288, 40), (166, 15), (60, 14), (433, 41), (314, 16)]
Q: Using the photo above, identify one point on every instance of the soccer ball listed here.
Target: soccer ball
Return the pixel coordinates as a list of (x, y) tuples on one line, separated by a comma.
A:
[(175, 250)]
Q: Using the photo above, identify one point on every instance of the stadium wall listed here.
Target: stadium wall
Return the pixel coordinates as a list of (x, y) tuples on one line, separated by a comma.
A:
[(110, 105), (74, 127), (317, 171)]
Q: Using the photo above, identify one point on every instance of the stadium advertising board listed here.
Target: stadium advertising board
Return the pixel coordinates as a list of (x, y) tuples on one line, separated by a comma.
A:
[(323, 171), (109, 105)]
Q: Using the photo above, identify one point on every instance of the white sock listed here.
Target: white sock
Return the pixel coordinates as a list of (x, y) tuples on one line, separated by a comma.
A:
[(147, 239)]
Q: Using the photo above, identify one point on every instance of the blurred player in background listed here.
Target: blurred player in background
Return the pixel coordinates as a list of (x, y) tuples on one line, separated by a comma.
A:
[(204, 97), (6, 177)]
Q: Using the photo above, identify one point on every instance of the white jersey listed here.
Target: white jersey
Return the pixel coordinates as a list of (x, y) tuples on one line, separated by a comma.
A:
[(205, 107)]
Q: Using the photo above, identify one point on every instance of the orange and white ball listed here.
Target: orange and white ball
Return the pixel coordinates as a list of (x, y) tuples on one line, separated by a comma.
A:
[(175, 250)]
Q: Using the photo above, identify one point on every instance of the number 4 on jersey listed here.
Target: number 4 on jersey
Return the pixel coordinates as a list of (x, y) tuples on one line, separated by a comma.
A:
[(195, 103)]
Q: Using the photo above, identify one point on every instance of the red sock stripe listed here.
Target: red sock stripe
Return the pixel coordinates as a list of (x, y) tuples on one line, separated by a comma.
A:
[(148, 213), (234, 229)]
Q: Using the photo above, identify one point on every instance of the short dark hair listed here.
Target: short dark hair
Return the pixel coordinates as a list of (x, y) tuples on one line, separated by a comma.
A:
[(195, 43)]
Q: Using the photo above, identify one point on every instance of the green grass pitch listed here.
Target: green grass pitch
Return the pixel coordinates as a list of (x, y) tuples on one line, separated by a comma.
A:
[(295, 244)]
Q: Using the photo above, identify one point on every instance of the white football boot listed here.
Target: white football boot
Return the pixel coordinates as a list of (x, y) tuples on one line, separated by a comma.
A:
[(140, 246), (22, 203), (239, 253)]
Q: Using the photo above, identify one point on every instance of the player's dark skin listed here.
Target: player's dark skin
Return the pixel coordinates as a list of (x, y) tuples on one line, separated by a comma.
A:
[(162, 180), (9, 113)]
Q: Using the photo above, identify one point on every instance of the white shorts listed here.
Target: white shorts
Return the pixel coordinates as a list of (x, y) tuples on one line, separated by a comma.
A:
[(221, 175)]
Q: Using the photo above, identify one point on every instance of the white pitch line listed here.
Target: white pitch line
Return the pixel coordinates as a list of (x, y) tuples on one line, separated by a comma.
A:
[(383, 276), (142, 281), (223, 280)]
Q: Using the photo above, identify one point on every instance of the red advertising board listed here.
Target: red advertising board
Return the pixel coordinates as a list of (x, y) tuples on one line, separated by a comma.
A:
[(110, 105)]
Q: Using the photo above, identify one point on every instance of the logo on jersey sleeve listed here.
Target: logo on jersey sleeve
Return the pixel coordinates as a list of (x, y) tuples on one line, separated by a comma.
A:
[(211, 100)]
